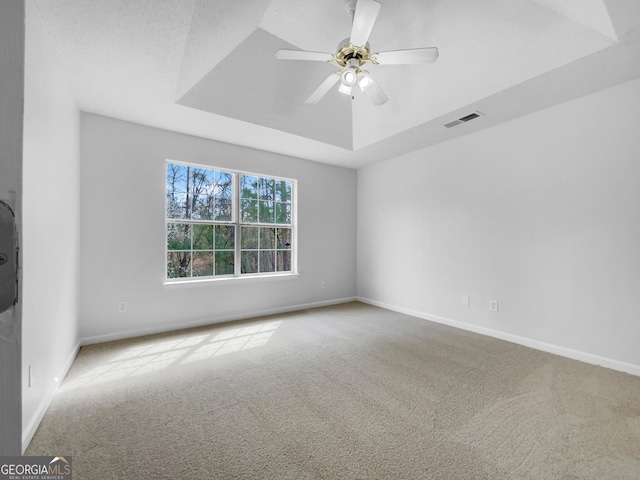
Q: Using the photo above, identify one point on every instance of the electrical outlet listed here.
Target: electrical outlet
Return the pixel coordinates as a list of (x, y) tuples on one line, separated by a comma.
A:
[(31, 380), (493, 305), (323, 285), (466, 300), (122, 307)]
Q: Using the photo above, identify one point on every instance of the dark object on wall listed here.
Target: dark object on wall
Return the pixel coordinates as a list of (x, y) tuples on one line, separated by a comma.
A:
[(8, 258)]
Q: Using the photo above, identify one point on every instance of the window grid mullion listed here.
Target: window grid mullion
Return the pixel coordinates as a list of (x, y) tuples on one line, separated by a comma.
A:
[(237, 264)]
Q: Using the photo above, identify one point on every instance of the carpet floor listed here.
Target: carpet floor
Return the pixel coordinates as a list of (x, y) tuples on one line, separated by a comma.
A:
[(344, 392)]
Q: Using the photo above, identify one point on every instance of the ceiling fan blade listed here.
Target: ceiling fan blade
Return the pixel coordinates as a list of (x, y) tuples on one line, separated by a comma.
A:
[(363, 20), (406, 57), (324, 87), (375, 93), (303, 55)]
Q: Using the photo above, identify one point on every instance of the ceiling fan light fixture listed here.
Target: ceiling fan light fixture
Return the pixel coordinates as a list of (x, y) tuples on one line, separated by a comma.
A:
[(346, 89), (364, 80), (349, 77)]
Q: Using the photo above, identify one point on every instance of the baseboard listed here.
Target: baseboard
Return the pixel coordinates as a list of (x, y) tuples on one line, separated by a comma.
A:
[(30, 430), (109, 337), (527, 342)]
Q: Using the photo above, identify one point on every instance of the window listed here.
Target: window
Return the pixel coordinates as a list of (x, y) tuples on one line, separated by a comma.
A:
[(225, 223)]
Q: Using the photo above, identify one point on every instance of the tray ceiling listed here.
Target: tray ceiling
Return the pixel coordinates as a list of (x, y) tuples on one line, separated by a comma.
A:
[(208, 68)]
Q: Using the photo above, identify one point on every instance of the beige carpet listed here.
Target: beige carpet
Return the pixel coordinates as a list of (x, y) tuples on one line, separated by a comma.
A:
[(345, 392)]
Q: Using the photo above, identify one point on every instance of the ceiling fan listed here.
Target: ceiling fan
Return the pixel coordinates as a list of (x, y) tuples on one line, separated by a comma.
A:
[(354, 52)]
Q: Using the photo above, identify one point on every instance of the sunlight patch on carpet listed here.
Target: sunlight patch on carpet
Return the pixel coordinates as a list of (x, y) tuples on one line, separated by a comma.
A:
[(154, 356), (235, 340)]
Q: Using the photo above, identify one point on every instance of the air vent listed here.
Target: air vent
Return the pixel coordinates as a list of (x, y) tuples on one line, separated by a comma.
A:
[(464, 119), (471, 116)]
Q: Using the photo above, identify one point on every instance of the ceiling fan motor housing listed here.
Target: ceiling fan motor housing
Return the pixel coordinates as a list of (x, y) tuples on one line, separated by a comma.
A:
[(347, 51)]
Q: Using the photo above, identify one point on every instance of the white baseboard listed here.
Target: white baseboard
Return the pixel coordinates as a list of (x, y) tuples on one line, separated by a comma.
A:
[(30, 430), (527, 342), (109, 337)]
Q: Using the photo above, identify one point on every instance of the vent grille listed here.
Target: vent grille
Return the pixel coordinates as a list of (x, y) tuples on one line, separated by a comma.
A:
[(471, 116), (464, 119)]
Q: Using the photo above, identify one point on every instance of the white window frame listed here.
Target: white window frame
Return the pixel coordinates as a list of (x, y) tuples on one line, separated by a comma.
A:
[(238, 225)]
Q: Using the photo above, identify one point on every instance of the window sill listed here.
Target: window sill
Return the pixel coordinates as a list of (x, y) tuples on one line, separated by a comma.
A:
[(228, 280)]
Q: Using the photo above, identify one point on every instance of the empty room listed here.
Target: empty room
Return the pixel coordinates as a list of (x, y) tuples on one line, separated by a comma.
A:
[(361, 239)]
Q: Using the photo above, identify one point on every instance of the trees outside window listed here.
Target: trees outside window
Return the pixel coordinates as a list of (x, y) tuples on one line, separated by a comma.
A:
[(225, 223)]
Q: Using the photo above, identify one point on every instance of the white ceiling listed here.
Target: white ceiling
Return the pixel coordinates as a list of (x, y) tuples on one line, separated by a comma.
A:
[(207, 68)]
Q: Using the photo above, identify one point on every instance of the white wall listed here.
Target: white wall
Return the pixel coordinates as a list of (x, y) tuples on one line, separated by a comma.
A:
[(11, 129), (51, 248), (123, 244), (541, 213)]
